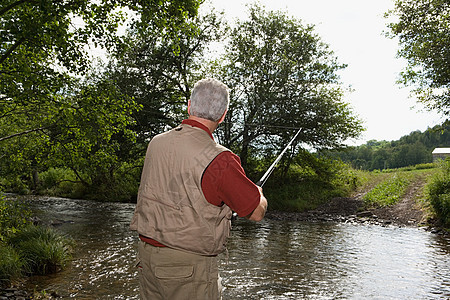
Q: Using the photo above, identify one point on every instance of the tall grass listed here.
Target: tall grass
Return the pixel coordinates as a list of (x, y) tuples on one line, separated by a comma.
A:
[(25, 248), (42, 249), (11, 265)]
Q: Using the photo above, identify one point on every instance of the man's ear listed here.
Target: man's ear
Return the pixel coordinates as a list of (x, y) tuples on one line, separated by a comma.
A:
[(223, 116), (189, 107)]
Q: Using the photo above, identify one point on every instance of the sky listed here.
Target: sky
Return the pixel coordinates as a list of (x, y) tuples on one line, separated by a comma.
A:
[(354, 31)]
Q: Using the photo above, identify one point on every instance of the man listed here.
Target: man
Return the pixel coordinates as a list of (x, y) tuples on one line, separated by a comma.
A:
[(189, 187)]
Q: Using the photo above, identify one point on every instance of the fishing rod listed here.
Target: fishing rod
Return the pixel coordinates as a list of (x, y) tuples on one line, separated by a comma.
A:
[(274, 164), (266, 175)]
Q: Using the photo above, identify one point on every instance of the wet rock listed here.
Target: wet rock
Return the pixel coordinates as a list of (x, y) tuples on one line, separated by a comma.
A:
[(14, 293), (36, 220), (364, 214)]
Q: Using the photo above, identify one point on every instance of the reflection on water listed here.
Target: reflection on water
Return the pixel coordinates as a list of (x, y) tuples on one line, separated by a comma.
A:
[(268, 260), (284, 260)]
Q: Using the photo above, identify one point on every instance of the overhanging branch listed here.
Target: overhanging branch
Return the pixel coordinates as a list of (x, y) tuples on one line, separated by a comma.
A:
[(11, 6), (21, 133), (10, 50)]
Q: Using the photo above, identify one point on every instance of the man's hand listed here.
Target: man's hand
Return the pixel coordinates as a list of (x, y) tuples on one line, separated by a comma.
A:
[(260, 211)]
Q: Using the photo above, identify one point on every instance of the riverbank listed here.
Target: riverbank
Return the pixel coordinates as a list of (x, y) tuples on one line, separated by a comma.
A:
[(410, 210)]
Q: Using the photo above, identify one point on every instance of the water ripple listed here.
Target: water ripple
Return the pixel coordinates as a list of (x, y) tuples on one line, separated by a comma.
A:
[(267, 260)]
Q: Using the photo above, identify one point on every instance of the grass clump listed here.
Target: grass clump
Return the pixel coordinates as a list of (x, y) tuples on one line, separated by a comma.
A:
[(42, 249), (26, 249), (11, 265)]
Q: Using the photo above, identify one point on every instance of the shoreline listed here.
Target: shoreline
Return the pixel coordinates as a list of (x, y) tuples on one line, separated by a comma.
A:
[(405, 213)]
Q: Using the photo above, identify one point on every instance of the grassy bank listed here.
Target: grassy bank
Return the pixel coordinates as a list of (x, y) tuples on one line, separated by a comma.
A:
[(431, 182), (26, 249), (307, 186), (388, 187)]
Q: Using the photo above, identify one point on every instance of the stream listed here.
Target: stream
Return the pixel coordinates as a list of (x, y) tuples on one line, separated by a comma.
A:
[(266, 260)]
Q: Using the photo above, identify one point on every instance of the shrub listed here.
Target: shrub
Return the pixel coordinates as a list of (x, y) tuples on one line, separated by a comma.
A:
[(59, 182), (15, 184), (52, 177), (14, 215), (42, 249), (438, 191), (309, 182)]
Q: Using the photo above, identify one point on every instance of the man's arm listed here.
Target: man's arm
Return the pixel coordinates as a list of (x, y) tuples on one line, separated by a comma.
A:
[(260, 211)]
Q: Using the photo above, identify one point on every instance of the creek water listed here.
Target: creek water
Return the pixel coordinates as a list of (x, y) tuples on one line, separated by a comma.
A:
[(266, 260)]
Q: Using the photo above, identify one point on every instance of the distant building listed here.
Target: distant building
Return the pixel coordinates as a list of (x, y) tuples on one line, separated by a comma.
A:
[(440, 153)]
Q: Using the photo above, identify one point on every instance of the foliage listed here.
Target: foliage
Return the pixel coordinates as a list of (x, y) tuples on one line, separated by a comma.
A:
[(438, 191), (422, 27), (159, 79), (59, 182), (389, 191), (87, 140), (42, 249), (48, 116), (44, 42), (14, 215), (281, 75), (10, 264), (412, 149), (310, 181)]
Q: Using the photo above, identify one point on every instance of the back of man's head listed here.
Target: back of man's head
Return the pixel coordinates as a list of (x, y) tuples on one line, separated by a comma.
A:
[(209, 99)]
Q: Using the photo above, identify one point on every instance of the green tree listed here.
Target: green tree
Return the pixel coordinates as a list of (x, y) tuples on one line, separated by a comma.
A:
[(42, 41), (159, 78), (423, 29), (43, 48), (85, 139), (282, 76)]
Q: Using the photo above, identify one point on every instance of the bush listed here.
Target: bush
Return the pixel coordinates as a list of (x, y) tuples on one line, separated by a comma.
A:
[(42, 249), (122, 185), (309, 182), (14, 184), (59, 182), (14, 215), (438, 191)]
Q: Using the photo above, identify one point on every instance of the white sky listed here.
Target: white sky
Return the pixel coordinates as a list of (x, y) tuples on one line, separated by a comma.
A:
[(354, 31)]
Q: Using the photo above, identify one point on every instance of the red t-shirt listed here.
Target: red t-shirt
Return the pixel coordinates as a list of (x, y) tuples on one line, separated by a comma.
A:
[(224, 182)]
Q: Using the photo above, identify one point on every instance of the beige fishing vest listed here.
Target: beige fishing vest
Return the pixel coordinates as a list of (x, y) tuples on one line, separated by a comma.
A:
[(171, 207)]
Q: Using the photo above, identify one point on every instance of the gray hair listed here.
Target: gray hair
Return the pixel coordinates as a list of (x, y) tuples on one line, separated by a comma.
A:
[(209, 99)]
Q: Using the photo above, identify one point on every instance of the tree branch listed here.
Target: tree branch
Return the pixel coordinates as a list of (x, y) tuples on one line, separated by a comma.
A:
[(10, 50), (11, 6), (21, 133)]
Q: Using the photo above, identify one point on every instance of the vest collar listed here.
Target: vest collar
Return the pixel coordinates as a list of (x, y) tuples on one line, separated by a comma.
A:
[(197, 124)]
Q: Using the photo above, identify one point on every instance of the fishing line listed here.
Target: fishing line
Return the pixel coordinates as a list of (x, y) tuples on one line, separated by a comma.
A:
[(262, 125)]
